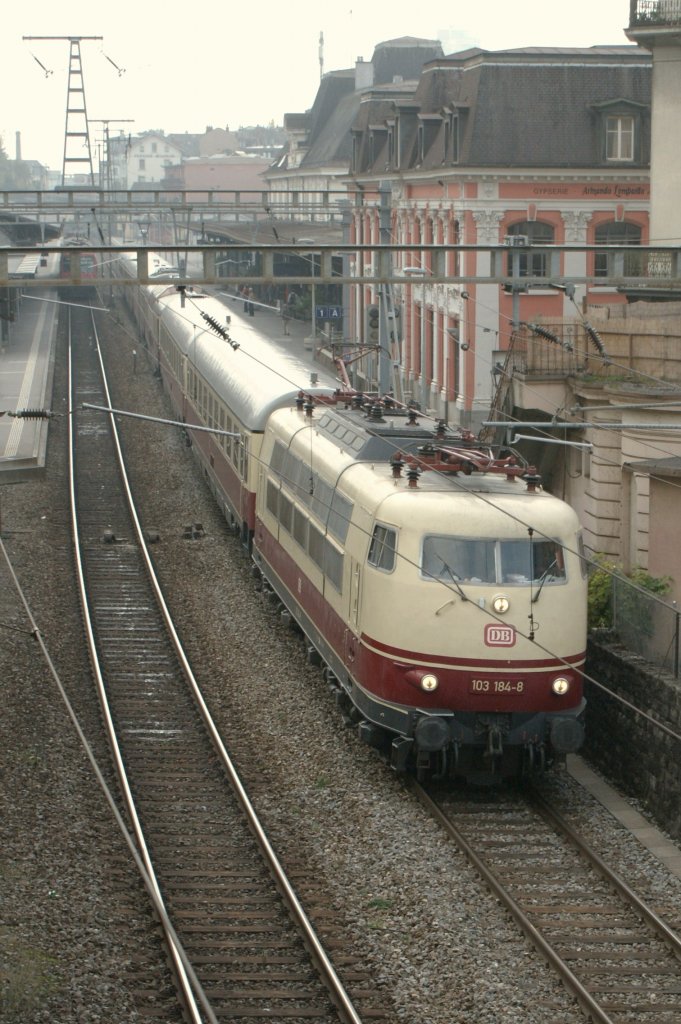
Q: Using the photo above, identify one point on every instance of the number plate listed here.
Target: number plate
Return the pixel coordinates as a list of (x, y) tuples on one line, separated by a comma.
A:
[(496, 686)]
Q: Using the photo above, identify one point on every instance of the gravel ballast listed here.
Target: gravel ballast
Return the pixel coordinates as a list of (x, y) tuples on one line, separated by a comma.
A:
[(433, 937)]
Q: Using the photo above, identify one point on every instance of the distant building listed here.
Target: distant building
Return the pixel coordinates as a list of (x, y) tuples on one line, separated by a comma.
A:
[(236, 172), (141, 161)]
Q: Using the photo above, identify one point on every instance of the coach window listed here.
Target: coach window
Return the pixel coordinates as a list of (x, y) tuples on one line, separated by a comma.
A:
[(382, 548)]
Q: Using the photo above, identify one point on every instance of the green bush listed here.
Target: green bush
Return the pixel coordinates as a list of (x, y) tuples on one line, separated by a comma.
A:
[(600, 607)]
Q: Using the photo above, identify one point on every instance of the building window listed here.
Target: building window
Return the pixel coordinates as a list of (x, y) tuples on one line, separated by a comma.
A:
[(529, 264), (142, 165), (619, 138), (608, 264), (390, 161), (451, 143), (427, 131), (154, 147)]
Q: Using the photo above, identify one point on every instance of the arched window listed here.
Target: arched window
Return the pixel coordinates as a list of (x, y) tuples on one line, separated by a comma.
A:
[(608, 264), (529, 264)]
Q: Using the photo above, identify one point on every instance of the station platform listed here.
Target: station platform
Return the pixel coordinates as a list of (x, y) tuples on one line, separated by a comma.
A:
[(26, 371)]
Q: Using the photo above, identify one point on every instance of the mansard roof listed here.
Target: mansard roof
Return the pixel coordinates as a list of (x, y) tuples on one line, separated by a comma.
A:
[(403, 58), (518, 108), (396, 65)]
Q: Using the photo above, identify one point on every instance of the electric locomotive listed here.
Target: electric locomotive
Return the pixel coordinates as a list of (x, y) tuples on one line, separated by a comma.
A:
[(441, 589), (84, 265)]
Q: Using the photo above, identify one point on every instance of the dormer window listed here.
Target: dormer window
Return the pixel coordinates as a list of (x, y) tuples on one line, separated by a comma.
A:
[(451, 138), (427, 131), (620, 131), (390, 155), (619, 138)]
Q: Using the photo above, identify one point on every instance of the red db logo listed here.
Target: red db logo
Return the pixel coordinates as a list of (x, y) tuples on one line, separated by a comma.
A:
[(499, 636)]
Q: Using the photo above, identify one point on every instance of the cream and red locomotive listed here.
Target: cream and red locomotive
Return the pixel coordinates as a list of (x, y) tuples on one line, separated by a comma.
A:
[(440, 587)]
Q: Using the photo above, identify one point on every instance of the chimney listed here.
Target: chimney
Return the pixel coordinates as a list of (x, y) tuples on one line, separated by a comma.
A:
[(364, 74), (18, 146)]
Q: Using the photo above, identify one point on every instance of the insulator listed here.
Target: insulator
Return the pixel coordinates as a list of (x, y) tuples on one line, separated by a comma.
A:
[(33, 414), (215, 326), (543, 332), (597, 340)]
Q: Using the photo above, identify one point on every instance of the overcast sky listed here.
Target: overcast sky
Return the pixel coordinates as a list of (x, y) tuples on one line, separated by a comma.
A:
[(181, 67)]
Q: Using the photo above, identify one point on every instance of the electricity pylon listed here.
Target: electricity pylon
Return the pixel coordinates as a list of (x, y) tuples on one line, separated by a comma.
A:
[(76, 131)]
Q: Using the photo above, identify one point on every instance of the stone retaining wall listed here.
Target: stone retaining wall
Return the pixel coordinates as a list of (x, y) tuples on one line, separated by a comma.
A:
[(638, 757)]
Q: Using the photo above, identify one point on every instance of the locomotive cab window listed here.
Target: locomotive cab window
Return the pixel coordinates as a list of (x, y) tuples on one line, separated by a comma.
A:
[(507, 562), (382, 548)]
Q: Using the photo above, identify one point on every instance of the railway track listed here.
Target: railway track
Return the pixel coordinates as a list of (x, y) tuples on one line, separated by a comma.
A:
[(613, 952), (239, 942)]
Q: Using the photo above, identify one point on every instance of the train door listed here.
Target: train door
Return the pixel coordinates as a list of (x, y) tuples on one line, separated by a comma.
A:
[(355, 593), (352, 631)]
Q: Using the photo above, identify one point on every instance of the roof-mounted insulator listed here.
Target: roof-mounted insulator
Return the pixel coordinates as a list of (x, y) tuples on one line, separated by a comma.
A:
[(413, 474), (412, 417), (440, 429), (309, 408), (300, 401), (357, 400), (376, 413), (532, 479), (397, 464), (389, 402)]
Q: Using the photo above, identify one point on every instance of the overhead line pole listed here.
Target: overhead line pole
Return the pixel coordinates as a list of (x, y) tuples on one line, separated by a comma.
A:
[(75, 94)]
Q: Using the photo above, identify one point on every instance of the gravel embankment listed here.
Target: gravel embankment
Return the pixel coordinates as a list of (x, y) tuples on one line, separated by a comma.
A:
[(435, 939)]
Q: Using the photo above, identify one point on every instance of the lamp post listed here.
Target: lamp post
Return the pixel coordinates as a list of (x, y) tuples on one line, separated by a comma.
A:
[(421, 272)]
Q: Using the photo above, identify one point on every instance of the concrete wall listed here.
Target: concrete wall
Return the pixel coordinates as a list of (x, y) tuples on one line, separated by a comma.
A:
[(634, 754)]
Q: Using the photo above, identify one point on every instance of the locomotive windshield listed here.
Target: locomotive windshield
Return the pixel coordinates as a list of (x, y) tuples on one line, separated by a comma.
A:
[(508, 562)]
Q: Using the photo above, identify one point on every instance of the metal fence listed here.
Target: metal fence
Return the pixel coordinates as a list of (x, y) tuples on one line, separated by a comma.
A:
[(654, 12), (646, 625)]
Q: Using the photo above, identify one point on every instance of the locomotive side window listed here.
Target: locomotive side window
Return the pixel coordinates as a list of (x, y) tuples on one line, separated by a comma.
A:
[(511, 562), (278, 456), (315, 543), (285, 511), (272, 499), (339, 516), (300, 527), (321, 500), (382, 548), (333, 566)]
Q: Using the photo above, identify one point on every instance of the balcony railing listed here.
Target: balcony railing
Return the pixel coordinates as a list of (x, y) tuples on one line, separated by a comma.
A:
[(643, 13)]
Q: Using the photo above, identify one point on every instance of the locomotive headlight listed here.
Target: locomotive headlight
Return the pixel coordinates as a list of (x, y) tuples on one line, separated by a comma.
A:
[(429, 682), (560, 685), (500, 604)]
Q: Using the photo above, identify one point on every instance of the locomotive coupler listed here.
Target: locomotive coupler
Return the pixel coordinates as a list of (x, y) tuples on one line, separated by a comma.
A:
[(495, 745)]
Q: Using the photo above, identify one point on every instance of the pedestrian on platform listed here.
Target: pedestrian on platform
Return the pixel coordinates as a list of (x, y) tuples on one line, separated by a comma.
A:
[(285, 316)]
